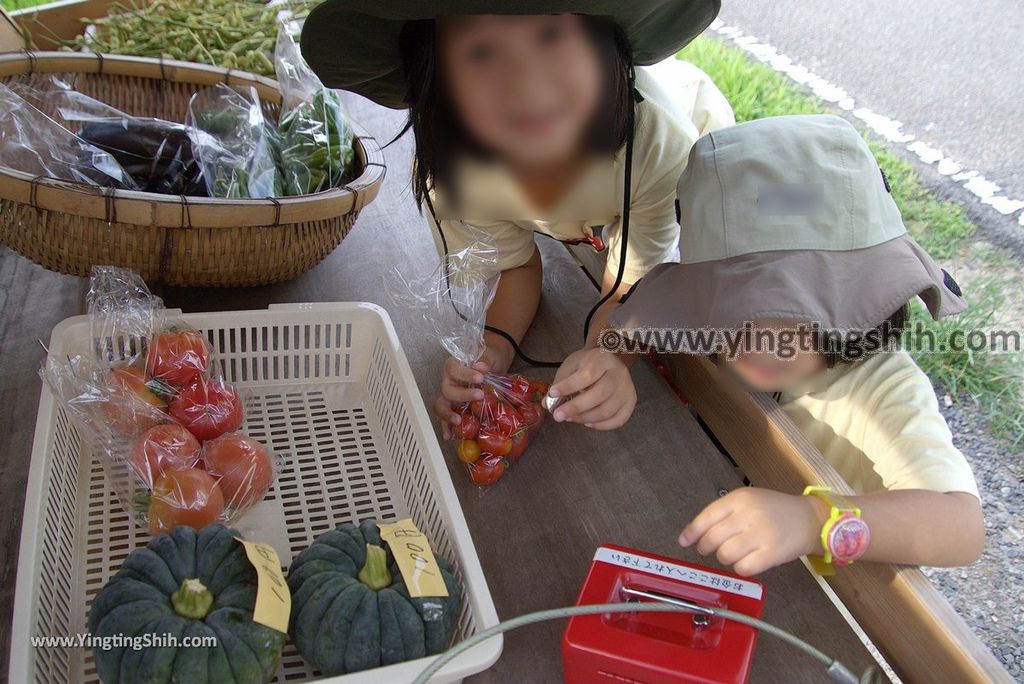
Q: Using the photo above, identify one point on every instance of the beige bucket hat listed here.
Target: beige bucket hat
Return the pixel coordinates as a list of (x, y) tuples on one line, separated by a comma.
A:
[(787, 218)]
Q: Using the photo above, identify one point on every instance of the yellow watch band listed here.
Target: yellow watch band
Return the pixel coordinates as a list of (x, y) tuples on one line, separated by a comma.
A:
[(839, 508)]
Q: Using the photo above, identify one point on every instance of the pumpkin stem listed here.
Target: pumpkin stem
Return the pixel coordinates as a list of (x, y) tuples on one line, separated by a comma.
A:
[(192, 600), (375, 573)]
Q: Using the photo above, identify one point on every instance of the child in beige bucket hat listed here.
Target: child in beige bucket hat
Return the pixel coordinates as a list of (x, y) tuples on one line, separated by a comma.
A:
[(790, 235)]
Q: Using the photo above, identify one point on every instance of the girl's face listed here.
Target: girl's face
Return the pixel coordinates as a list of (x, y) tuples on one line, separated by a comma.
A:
[(524, 87), (781, 360)]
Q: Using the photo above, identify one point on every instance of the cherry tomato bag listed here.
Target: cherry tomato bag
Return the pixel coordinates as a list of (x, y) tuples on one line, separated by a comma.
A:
[(495, 431)]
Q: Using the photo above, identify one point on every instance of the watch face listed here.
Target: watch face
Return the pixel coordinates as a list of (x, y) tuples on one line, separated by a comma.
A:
[(848, 539)]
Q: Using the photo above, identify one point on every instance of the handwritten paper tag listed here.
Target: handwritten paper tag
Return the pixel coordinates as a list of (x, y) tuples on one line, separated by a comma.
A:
[(415, 560), (273, 599)]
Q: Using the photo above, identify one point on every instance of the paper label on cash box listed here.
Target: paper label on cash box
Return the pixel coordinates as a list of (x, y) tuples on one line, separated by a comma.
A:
[(683, 573)]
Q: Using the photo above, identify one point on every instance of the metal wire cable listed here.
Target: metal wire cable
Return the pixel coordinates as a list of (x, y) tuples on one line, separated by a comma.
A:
[(835, 669)]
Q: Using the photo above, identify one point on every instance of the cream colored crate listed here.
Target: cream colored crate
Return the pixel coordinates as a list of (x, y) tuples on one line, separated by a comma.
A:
[(326, 386)]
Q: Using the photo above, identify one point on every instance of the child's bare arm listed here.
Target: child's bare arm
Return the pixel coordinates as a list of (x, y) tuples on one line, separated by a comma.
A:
[(918, 527), (754, 529), (513, 310)]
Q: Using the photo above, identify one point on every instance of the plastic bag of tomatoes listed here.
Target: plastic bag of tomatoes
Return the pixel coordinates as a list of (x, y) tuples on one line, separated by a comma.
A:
[(494, 432), (149, 399)]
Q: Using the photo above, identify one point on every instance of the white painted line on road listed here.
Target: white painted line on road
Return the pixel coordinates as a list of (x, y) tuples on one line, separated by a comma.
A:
[(890, 129)]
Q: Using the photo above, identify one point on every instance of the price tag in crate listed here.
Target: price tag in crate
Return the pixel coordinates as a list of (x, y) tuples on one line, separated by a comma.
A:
[(660, 648)]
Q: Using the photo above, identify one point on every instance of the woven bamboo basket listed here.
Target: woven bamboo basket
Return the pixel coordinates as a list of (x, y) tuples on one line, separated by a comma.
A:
[(69, 227)]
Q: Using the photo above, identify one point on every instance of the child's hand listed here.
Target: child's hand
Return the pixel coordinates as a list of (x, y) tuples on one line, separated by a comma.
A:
[(461, 384), (606, 393), (754, 529)]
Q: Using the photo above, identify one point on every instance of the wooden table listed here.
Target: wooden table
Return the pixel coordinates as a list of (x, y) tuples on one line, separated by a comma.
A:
[(537, 530)]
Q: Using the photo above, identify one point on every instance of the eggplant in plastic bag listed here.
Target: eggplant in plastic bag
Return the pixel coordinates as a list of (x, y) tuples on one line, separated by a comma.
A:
[(156, 153)]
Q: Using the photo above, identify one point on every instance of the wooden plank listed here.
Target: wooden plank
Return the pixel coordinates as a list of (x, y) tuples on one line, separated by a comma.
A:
[(10, 33), (912, 624), (49, 24)]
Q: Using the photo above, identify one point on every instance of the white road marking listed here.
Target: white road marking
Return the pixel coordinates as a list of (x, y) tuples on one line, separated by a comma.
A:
[(890, 129)]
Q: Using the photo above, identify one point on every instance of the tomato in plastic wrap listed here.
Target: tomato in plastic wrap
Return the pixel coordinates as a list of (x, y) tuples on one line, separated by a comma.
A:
[(168, 446), (176, 357), (184, 497), (242, 466), (208, 408), (498, 428), (487, 471), (131, 406)]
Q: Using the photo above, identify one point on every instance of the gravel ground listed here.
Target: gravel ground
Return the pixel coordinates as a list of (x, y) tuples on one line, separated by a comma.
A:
[(988, 593)]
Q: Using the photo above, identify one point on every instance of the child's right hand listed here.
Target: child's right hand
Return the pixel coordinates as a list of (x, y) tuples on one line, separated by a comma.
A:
[(459, 384)]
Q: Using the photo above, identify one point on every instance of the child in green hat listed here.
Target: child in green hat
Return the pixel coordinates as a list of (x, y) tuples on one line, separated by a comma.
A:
[(796, 257), (529, 117)]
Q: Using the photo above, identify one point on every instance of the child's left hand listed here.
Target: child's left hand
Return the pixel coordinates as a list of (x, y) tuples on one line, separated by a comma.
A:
[(606, 395), (754, 529)]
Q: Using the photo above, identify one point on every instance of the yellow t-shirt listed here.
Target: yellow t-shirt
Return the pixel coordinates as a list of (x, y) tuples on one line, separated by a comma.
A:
[(878, 422), (680, 103)]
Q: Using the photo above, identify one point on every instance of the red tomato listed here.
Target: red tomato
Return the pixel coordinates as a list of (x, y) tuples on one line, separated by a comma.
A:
[(519, 443), (131, 406), (487, 408), (242, 466), (176, 357), (487, 471), (208, 408), (533, 415), (494, 443), (538, 390), (508, 420), (168, 446), (467, 450), (519, 386), (184, 497), (468, 428)]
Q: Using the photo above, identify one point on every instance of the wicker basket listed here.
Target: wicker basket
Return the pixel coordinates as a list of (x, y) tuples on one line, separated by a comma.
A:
[(69, 227)]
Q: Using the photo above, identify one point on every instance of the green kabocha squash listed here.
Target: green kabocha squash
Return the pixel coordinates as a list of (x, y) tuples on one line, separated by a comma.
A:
[(351, 610), (186, 584)]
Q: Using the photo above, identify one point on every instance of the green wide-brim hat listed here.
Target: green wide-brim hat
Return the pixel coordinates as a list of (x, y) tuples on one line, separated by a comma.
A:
[(354, 44)]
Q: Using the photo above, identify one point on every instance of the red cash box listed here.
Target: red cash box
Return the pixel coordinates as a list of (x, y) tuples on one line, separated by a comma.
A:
[(660, 648)]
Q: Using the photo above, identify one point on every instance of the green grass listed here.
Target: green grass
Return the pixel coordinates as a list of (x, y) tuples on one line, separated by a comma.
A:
[(991, 380), (22, 4)]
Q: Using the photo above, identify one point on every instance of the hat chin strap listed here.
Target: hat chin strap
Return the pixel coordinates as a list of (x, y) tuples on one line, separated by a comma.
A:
[(636, 98), (626, 198)]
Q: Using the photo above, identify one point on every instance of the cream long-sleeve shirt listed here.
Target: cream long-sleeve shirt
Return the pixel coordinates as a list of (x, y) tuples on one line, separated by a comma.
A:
[(878, 422), (680, 103)]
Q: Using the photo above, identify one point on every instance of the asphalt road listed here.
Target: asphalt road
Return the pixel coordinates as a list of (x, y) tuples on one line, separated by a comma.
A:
[(951, 71)]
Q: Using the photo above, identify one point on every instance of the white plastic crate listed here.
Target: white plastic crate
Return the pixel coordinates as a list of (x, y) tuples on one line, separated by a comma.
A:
[(328, 387)]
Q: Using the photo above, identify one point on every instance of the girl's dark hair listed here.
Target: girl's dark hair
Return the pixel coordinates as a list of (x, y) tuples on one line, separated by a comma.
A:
[(849, 348), (439, 134)]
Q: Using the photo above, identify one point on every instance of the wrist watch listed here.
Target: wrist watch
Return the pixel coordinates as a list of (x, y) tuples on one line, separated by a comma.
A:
[(844, 536)]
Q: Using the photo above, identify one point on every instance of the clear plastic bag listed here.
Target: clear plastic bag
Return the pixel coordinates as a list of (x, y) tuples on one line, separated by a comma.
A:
[(155, 153), (496, 430), (148, 400), (316, 140), (235, 144), (34, 143)]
